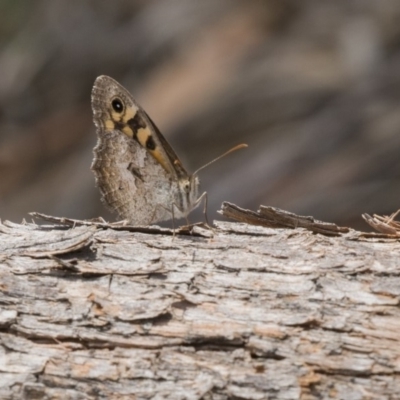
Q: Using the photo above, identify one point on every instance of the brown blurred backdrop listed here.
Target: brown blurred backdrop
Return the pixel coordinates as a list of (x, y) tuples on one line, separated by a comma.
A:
[(312, 86)]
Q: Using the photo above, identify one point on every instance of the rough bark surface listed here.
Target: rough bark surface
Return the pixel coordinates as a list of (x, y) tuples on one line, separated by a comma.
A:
[(89, 312)]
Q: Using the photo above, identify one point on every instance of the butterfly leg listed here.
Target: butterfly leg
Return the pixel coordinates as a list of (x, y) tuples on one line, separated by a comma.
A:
[(173, 220), (198, 201)]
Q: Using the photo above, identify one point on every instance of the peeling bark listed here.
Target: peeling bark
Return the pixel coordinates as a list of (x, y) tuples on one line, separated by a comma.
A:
[(97, 312)]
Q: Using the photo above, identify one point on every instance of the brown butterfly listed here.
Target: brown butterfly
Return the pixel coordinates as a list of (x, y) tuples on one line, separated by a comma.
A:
[(138, 173)]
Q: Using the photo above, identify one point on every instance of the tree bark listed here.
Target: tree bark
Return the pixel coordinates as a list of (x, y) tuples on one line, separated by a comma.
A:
[(241, 312)]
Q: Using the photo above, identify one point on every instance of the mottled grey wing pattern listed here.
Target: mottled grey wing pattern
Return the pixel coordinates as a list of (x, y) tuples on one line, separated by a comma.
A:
[(131, 182)]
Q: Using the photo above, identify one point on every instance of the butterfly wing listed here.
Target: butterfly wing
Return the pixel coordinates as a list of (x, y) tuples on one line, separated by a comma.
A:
[(115, 109), (137, 171), (133, 164), (132, 183)]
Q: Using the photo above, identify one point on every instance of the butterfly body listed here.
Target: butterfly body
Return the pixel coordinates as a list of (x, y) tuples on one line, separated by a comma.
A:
[(138, 173)]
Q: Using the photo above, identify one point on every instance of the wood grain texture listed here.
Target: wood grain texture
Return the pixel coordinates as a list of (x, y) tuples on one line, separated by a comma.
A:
[(252, 313)]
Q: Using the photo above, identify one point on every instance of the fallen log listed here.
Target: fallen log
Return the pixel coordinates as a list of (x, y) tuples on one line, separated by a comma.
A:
[(94, 310)]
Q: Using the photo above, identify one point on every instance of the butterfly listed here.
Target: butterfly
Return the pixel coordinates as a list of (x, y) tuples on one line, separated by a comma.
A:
[(139, 175)]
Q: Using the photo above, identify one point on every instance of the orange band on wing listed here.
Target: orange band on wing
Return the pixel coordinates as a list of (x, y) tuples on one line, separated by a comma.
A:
[(145, 137)]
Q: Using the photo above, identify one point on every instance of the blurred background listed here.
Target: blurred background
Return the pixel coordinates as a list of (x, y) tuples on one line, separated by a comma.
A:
[(312, 86)]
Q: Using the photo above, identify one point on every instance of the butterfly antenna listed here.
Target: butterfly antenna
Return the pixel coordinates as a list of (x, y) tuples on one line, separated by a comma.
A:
[(238, 147)]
